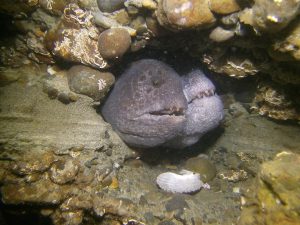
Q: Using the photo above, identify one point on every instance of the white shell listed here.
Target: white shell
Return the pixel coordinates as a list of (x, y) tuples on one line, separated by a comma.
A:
[(185, 182)]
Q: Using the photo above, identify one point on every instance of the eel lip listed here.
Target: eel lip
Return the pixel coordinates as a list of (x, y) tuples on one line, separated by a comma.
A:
[(168, 112)]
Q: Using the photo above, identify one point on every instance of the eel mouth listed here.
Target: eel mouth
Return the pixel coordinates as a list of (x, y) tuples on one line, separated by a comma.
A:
[(203, 94), (168, 112)]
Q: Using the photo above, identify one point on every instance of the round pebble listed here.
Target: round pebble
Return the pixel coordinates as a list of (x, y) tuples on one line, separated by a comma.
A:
[(113, 43), (203, 166), (219, 34), (110, 5), (90, 82), (184, 14)]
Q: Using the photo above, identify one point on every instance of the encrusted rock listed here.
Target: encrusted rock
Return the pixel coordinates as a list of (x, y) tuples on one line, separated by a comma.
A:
[(116, 206), (233, 175), (232, 63), (274, 196), (90, 82), (273, 101), (287, 46), (43, 191), (33, 163), (76, 38), (55, 7), (113, 43), (224, 6), (184, 14), (63, 172), (38, 53), (72, 217), (271, 16)]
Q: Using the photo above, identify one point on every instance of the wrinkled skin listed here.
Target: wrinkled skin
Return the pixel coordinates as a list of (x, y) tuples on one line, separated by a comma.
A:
[(151, 105)]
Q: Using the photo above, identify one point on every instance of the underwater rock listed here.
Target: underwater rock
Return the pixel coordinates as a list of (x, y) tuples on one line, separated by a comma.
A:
[(151, 105), (274, 196), (271, 16), (185, 182), (62, 172), (90, 82), (184, 14), (113, 43), (232, 63), (146, 4), (219, 34), (32, 164), (56, 86), (110, 5), (8, 75), (274, 101), (202, 166), (76, 38), (55, 7), (16, 7), (224, 6), (287, 47)]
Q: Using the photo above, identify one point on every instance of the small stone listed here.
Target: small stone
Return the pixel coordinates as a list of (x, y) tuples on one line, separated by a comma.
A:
[(224, 6), (122, 17), (90, 82), (56, 86), (107, 181), (73, 97), (33, 177), (104, 21), (166, 222), (203, 166), (110, 5), (63, 172), (149, 4), (46, 212), (113, 43), (184, 14), (138, 45), (154, 27), (114, 184), (132, 10), (139, 24), (64, 97), (176, 203), (87, 4), (73, 218), (219, 34)]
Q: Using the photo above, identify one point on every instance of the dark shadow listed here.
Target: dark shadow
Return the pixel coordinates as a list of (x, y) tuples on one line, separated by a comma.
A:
[(20, 215), (161, 155)]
